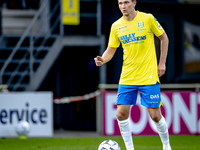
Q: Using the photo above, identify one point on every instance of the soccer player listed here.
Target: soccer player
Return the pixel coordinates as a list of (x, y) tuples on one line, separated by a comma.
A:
[(135, 30)]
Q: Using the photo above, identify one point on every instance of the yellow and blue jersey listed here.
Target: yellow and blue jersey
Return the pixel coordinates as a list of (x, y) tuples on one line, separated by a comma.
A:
[(139, 55)]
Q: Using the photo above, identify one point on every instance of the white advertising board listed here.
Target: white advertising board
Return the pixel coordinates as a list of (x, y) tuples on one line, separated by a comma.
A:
[(34, 107)]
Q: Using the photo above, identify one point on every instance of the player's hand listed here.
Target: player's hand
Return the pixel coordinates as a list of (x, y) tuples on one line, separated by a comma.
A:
[(98, 61), (161, 69)]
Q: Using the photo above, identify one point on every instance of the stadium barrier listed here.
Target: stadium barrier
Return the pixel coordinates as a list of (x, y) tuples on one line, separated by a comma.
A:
[(181, 109), (186, 94), (195, 86), (65, 100)]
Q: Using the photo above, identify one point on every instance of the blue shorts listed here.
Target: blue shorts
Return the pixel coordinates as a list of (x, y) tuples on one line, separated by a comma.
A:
[(150, 95)]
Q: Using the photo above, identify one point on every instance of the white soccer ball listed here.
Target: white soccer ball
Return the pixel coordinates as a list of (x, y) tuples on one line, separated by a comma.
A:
[(109, 145), (22, 128)]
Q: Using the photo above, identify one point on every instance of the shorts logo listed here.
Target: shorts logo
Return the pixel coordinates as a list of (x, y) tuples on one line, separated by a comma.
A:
[(154, 96), (141, 25)]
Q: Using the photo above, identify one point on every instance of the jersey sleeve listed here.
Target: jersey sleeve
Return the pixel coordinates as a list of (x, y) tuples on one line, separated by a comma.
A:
[(156, 27), (113, 38)]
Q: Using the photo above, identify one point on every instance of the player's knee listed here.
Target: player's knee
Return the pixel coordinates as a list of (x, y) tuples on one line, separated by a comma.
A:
[(122, 115), (155, 117)]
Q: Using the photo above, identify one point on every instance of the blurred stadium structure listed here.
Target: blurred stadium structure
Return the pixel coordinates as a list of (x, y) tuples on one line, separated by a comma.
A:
[(26, 59), (39, 53), (190, 1)]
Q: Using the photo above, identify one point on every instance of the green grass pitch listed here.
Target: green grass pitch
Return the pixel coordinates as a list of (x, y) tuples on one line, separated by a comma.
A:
[(191, 142)]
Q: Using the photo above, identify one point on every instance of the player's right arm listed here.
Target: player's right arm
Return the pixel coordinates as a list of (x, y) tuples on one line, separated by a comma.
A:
[(106, 57)]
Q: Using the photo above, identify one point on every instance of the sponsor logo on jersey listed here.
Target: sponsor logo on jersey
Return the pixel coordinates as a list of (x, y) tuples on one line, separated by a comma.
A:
[(159, 26), (131, 38), (123, 27)]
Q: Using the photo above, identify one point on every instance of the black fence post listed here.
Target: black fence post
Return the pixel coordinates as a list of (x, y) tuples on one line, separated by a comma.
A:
[(0, 22)]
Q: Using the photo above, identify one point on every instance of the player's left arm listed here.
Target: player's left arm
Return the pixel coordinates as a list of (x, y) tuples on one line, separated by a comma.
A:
[(163, 54)]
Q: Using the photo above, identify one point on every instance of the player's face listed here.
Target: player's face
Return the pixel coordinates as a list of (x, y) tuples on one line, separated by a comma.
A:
[(126, 6)]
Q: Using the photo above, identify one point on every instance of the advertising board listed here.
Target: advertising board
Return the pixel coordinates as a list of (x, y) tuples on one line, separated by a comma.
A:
[(180, 109), (34, 107)]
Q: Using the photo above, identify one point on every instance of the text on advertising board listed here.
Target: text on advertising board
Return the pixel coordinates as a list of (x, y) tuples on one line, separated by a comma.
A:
[(34, 115)]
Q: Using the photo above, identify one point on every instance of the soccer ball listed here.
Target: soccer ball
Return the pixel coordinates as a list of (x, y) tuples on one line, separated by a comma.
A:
[(109, 145), (22, 129)]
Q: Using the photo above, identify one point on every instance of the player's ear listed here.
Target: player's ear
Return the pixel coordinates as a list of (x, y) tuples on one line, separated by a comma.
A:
[(134, 2)]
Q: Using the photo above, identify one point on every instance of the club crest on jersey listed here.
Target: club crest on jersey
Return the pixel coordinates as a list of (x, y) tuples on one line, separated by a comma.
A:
[(141, 25)]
